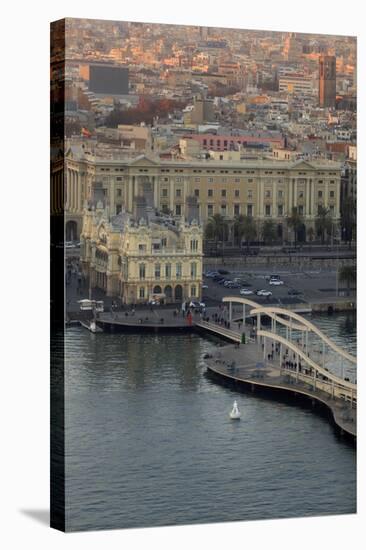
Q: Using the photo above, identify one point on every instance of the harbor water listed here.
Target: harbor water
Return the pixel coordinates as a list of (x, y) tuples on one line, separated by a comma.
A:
[(149, 440)]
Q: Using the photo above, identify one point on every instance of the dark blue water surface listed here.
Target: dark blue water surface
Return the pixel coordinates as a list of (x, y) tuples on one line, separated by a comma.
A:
[(149, 441)]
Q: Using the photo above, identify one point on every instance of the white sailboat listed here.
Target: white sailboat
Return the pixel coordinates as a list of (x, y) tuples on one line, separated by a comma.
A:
[(235, 413)]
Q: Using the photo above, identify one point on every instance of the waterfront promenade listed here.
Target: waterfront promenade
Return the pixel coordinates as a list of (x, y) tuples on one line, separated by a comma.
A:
[(290, 356), (242, 367)]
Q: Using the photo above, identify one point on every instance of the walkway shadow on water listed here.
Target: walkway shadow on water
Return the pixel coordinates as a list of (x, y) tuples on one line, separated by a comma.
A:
[(42, 516)]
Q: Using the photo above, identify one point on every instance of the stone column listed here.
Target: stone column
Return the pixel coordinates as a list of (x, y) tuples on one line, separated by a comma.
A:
[(156, 192), (306, 209), (312, 197), (326, 193), (171, 195), (67, 202), (260, 195), (290, 197), (337, 196), (274, 200), (131, 182)]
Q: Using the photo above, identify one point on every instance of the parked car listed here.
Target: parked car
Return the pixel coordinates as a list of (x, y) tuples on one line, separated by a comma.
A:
[(263, 292), (276, 282), (223, 272), (228, 282), (294, 292), (246, 292), (231, 284), (211, 274), (204, 287)]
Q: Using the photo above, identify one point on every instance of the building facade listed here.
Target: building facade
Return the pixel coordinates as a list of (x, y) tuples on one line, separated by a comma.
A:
[(267, 189), (137, 260), (327, 81)]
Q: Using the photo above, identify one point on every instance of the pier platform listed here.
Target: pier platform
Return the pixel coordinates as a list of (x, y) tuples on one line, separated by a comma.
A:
[(243, 367)]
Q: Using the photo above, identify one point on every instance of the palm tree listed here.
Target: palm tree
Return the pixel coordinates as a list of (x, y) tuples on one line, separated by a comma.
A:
[(323, 222), (216, 228), (244, 227), (268, 231), (295, 221), (348, 215), (348, 274), (311, 234)]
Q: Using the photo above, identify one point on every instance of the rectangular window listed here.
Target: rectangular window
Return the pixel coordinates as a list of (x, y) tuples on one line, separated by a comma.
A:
[(178, 193), (142, 247), (210, 210), (280, 194), (119, 192), (178, 271), (142, 271), (193, 291), (142, 292), (280, 210), (210, 180), (157, 271), (301, 210), (268, 210), (249, 210), (237, 192), (237, 180), (250, 194), (168, 271), (301, 195), (320, 194), (331, 194), (193, 270), (164, 192), (223, 192), (118, 208), (223, 209), (178, 210), (197, 180), (236, 209), (196, 192), (268, 194), (210, 192)]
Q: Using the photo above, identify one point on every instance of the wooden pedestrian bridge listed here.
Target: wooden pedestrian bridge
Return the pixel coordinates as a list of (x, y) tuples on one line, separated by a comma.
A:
[(277, 349)]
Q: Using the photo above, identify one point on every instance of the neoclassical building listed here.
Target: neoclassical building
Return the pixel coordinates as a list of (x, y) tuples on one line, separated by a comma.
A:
[(135, 260), (263, 189)]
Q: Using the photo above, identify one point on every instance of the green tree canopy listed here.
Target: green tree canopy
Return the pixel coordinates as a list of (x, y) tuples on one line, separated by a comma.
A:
[(323, 223), (244, 228), (268, 231), (348, 218), (348, 275), (216, 228), (295, 221)]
